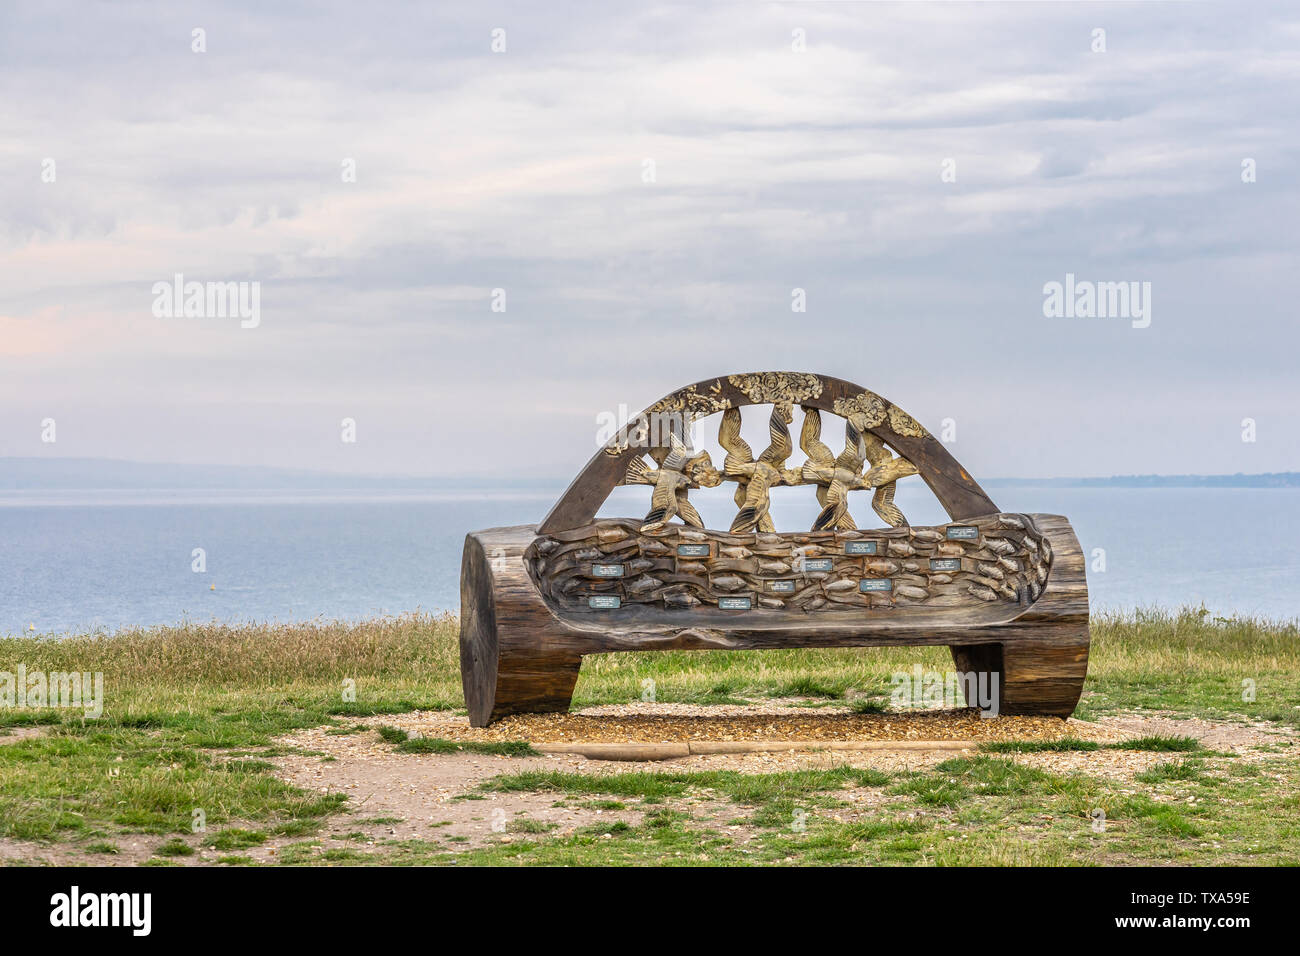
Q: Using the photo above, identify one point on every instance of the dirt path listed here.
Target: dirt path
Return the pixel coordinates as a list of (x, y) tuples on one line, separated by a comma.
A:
[(437, 798), (432, 794)]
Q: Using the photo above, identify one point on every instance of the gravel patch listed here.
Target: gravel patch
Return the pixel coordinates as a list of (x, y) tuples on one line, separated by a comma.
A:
[(661, 723)]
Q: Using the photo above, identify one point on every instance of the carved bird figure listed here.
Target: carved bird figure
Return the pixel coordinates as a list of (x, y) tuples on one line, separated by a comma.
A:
[(755, 477), (835, 478), (679, 469), (883, 476), (810, 440)]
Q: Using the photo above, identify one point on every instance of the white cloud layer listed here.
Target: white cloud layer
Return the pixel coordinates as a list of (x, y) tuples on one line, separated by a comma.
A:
[(523, 170)]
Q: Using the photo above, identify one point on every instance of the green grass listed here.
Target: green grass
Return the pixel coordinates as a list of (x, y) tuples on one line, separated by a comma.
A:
[(237, 838), (1038, 746), (969, 811), (437, 745), (869, 705), (1173, 770), (776, 797), (931, 791), (29, 718), (394, 735), (530, 826), (502, 748), (175, 847), (192, 713), (178, 699), (1183, 661), (1191, 663), (1160, 744)]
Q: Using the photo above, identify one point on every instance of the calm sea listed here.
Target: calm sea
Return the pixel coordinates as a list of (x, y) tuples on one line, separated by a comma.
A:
[(77, 561)]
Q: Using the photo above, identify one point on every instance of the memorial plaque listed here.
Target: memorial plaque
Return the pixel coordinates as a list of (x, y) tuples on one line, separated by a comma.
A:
[(859, 547), (963, 532), (876, 584), (735, 603), (818, 564), (945, 564), (692, 551), (607, 570), (604, 602), (781, 587)]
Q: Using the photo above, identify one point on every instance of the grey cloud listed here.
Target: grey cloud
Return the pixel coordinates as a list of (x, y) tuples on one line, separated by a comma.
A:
[(523, 171)]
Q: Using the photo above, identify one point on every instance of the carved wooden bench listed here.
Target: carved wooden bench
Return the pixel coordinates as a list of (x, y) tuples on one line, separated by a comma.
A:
[(1006, 592)]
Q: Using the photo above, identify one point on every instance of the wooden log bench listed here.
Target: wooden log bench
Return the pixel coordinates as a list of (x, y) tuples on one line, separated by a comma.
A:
[(1006, 592)]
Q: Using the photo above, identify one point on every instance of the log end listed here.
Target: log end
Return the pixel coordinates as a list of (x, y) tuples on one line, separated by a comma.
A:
[(478, 633)]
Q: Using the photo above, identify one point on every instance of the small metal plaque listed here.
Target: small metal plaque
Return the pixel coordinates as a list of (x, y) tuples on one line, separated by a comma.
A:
[(781, 587), (735, 603), (818, 564), (692, 551), (945, 564), (607, 570), (604, 602), (859, 547), (963, 532), (875, 584)]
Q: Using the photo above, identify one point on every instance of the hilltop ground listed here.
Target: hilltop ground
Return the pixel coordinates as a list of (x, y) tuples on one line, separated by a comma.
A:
[(251, 733)]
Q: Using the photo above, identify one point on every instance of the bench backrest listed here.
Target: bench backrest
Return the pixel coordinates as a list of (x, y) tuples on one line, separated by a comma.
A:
[(873, 425)]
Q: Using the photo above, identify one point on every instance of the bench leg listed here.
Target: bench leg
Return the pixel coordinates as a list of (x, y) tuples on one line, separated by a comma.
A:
[(1035, 677), (534, 681), (512, 659), (499, 679)]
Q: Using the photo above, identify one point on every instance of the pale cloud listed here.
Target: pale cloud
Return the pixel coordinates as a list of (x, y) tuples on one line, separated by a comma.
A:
[(523, 171)]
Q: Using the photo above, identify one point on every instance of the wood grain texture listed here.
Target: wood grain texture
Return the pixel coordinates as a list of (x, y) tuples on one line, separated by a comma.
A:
[(508, 663), (1038, 650)]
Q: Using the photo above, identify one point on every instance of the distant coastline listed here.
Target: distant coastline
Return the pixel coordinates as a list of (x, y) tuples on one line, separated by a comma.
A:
[(1277, 479), (50, 474)]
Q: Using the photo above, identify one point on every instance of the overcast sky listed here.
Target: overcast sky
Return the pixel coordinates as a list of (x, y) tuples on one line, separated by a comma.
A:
[(773, 169)]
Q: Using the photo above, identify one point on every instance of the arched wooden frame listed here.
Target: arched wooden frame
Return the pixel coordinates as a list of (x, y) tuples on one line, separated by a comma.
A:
[(958, 493)]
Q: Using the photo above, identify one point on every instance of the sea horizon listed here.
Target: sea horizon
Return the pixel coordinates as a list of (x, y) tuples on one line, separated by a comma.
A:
[(105, 560)]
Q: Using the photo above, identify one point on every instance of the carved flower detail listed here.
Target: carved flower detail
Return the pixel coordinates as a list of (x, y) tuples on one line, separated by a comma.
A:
[(777, 388), (905, 424), (866, 410), (689, 400)]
